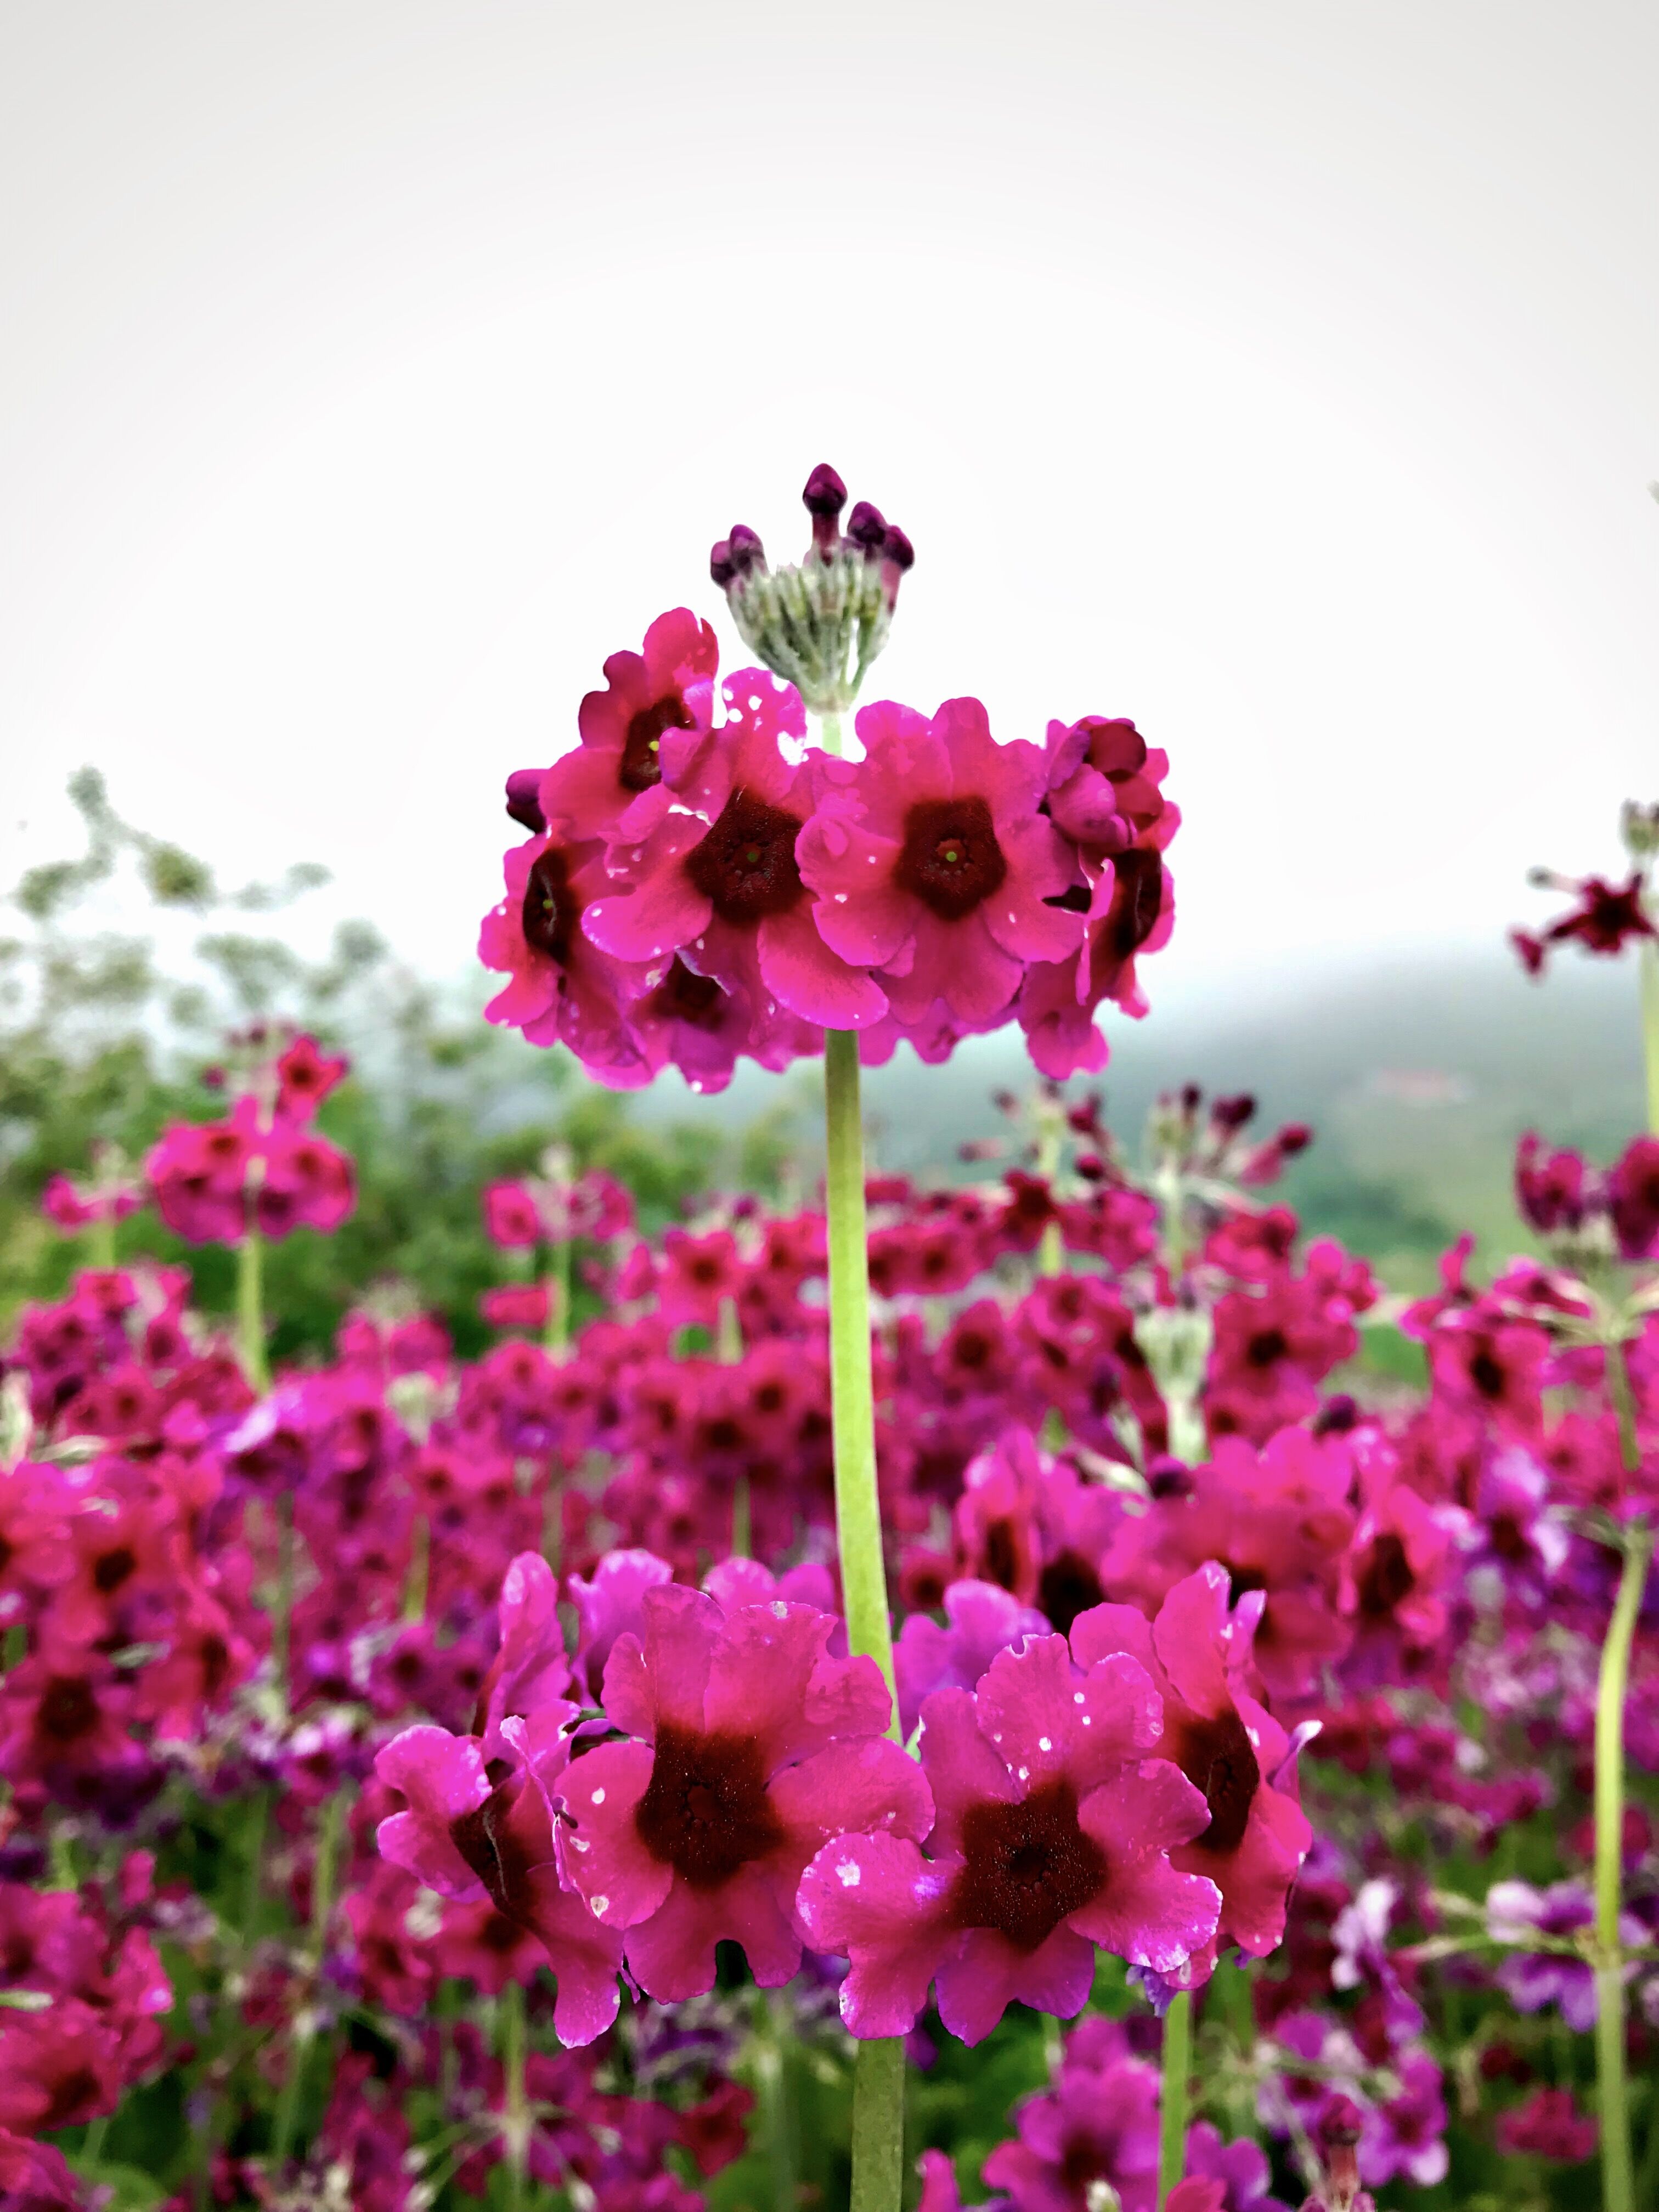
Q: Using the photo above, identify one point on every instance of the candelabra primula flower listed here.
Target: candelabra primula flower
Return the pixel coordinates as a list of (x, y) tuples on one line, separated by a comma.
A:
[(1225, 1742), (747, 1746), (980, 1620), (1052, 1835), (561, 987), (1605, 918), (613, 784), (722, 889), (933, 866), (474, 1829), (1097, 2128)]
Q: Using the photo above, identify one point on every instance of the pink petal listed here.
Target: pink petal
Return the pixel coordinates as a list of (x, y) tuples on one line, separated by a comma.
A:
[(600, 1845), (813, 982), (987, 1974), (877, 1901)]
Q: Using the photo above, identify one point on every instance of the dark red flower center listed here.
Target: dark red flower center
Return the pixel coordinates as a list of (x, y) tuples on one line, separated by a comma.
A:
[(640, 765), (746, 864), (111, 1569), (1137, 896), (496, 1856), (1386, 1577), (951, 860), (1217, 1757), (705, 1811), (1066, 1587), (686, 996), (550, 910), (68, 1709), (1025, 1867), (1266, 1348)]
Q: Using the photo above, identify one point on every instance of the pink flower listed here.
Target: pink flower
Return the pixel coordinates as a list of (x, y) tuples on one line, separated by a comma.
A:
[(1548, 2125), (470, 1836), (613, 784), (1052, 1835), (1223, 1741), (305, 1077), (932, 865), (1097, 2124), (1633, 1199), (723, 889), (560, 989), (511, 1217), (747, 1746)]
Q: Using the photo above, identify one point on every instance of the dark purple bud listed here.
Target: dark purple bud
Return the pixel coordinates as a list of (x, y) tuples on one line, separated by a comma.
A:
[(523, 803), (825, 493), (1190, 1095), (1295, 1137), (867, 529), (746, 550), (721, 566), (1233, 1113), (1336, 1416), (1168, 1477), (896, 548)]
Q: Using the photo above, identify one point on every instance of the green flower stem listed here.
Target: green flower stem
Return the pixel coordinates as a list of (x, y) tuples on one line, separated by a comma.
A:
[(101, 1242), (1647, 961), (858, 1513), (877, 2126), (556, 1338), (282, 1612), (879, 2066), (251, 1312), (1172, 2109), (1618, 2179), (515, 2119), (774, 2035), (322, 1909)]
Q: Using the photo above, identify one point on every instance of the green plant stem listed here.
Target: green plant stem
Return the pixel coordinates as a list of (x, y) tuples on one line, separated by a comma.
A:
[(92, 2150), (516, 2115), (101, 1242), (1618, 2179), (1647, 961), (556, 1338), (420, 1570), (322, 1909), (877, 2126), (250, 1312), (777, 2104), (852, 1413), (879, 2066), (1172, 2109)]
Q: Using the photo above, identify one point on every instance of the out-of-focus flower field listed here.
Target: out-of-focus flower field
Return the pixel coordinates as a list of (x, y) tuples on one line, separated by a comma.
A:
[(447, 1757)]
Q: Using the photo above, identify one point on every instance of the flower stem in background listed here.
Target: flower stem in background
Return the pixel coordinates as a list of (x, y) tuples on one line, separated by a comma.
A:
[(877, 2126), (101, 1242), (284, 1608), (304, 2025), (556, 1338), (515, 2120), (250, 1312), (1618, 2184), (774, 2035), (1647, 968), (1172, 2108)]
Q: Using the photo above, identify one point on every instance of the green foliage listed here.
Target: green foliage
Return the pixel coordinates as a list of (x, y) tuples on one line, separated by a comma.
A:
[(104, 1038)]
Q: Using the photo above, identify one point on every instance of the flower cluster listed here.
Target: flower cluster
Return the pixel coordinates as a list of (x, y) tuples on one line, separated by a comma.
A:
[(699, 885), (263, 1167)]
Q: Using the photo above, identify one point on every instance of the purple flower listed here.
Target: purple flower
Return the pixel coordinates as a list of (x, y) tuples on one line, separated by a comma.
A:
[(981, 1619), (1241, 2168), (747, 1746), (1515, 1911), (1098, 2124), (1052, 1835)]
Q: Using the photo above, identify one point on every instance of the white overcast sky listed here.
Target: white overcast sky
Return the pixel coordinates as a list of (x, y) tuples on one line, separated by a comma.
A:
[(1282, 373)]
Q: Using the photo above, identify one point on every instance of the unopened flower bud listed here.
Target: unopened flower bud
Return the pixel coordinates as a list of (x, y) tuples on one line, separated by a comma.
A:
[(524, 804), (819, 624), (866, 526), (1638, 826), (824, 499), (1232, 1113)]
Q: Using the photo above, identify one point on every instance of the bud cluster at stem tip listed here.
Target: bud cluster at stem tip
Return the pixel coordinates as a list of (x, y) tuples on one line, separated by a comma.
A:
[(820, 623)]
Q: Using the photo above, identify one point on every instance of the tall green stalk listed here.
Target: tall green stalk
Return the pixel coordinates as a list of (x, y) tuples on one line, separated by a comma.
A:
[(1618, 2179), (251, 1312), (1647, 964), (879, 2066), (323, 1873), (515, 2119), (1172, 2107), (556, 1336)]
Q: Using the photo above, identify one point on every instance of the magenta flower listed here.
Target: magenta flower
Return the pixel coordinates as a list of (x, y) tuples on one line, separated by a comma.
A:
[(1097, 2124), (560, 989), (932, 865), (726, 892), (748, 1746), (1226, 1744), (1053, 1834), (469, 1836), (613, 785)]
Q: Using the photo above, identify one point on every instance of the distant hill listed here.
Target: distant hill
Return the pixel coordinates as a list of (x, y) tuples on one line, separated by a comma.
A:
[(1416, 1078)]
